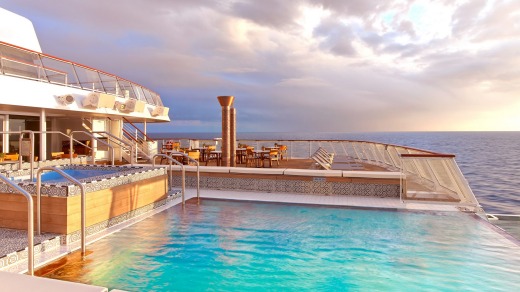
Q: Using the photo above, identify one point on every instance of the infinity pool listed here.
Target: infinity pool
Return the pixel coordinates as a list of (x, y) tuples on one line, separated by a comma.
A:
[(243, 246)]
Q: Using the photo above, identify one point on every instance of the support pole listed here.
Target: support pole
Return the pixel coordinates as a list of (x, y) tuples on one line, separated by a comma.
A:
[(233, 137), (226, 102), (43, 135)]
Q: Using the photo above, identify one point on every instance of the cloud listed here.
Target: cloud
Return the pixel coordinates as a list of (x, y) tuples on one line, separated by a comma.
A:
[(303, 65)]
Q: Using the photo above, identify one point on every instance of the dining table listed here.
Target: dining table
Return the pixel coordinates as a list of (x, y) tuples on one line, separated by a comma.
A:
[(240, 155), (217, 154), (261, 155), (202, 151)]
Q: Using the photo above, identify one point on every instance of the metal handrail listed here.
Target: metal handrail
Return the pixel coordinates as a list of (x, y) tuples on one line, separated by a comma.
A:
[(310, 141), (93, 137), (83, 201), (38, 67), (178, 153), (139, 130), (155, 99), (132, 154), (171, 172), (30, 223), (63, 134)]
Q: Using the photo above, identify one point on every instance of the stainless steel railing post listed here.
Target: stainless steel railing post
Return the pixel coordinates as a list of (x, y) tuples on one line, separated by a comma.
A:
[(83, 201), (177, 153), (171, 172)]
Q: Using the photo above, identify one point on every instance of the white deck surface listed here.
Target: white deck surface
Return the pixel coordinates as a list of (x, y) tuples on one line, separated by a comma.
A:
[(24, 283), (348, 201)]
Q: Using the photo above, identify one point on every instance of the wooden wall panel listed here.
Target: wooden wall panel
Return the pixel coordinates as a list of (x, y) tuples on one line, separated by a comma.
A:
[(63, 215)]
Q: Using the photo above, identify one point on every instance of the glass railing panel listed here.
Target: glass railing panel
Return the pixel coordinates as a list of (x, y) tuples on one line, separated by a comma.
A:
[(128, 90), (148, 96), (24, 63), (89, 79), (110, 84), (157, 99), (21, 69), (139, 92), (20, 63), (59, 72)]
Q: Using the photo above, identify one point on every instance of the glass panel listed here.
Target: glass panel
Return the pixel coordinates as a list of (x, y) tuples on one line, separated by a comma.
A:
[(157, 99), (89, 79), (139, 92), (60, 72), (110, 84), (20, 63), (128, 91), (147, 96)]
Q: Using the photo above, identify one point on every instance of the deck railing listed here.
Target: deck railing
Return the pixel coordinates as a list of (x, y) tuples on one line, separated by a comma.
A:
[(24, 63), (429, 175)]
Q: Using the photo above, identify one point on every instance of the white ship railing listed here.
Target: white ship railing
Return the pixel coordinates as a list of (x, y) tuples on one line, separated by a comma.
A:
[(429, 175), (24, 63)]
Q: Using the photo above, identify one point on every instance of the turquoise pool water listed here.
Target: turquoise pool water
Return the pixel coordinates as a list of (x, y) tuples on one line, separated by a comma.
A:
[(243, 246), (52, 176)]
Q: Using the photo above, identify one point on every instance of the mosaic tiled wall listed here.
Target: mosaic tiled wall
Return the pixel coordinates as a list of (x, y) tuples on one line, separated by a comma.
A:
[(20, 255), (125, 175), (101, 226), (317, 186)]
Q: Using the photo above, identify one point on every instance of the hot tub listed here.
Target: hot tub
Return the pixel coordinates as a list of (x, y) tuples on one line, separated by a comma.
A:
[(113, 194)]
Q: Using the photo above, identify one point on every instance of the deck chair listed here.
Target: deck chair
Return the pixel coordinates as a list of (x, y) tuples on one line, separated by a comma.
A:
[(283, 152), (323, 163), (251, 158), (195, 155), (273, 156)]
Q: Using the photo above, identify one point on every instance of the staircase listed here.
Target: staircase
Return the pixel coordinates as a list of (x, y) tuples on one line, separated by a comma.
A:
[(144, 146)]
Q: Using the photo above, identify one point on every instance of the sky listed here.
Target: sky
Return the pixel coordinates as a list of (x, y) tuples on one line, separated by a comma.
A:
[(302, 65)]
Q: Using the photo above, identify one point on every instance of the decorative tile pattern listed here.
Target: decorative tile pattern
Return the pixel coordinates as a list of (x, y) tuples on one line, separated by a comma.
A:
[(317, 187), (51, 241), (124, 175), (15, 239), (93, 229)]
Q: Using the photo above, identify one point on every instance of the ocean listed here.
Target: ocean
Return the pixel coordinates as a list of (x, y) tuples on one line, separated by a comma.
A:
[(490, 161)]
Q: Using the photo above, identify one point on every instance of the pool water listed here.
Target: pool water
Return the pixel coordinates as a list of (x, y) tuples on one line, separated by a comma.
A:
[(244, 246), (52, 176)]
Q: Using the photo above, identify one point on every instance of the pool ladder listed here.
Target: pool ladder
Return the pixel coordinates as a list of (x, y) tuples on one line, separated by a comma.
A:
[(30, 222), (171, 159)]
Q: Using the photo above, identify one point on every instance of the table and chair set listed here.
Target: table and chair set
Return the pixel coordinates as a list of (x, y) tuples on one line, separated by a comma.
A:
[(245, 155)]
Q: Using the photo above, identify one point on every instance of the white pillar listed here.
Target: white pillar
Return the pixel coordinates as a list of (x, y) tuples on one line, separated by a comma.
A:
[(5, 128), (43, 137)]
